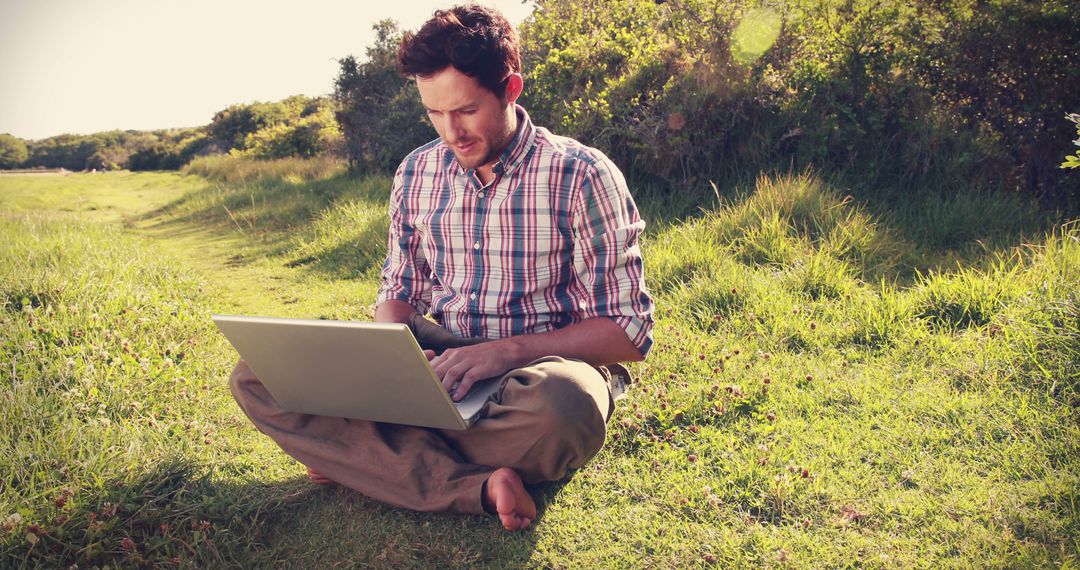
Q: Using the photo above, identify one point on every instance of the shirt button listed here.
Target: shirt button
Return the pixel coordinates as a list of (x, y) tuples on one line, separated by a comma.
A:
[(472, 296), (480, 195), (476, 245)]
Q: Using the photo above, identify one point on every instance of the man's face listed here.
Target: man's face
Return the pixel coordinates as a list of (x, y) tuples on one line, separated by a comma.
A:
[(475, 123)]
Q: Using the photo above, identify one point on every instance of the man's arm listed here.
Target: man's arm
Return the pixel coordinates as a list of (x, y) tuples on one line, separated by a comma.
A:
[(596, 341), (394, 311)]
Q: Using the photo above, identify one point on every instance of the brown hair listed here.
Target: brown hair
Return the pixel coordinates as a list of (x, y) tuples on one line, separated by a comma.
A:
[(478, 41)]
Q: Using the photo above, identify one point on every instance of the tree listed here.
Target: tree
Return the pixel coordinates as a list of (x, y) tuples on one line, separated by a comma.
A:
[(379, 111), (296, 126), (952, 93), (1010, 68), (13, 151), (309, 129)]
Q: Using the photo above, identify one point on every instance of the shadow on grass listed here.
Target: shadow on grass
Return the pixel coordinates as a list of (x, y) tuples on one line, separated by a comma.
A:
[(270, 204), (253, 244), (178, 514), (285, 219), (932, 226), (923, 229)]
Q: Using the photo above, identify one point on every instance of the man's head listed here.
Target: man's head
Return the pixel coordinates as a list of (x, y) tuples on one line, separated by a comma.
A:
[(476, 40), (467, 67)]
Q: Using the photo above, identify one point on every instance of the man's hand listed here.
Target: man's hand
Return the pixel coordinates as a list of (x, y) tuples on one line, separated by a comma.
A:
[(468, 365), (596, 341)]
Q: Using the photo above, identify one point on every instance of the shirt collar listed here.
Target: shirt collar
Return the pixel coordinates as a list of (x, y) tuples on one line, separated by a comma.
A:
[(515, 152)]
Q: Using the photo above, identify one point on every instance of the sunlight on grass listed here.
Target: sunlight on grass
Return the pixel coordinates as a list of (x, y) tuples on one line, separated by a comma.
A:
[(345, 241), (225, 168), (822, 392)]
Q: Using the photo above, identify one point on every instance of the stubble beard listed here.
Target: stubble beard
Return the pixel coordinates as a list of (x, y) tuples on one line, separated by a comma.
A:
[(505, 135)]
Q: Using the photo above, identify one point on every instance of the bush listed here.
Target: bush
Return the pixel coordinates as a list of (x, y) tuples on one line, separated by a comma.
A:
[(13, 151), (112, 150), (380, 112), (952, 94), (1073, 161), (297, 126), (1008, 70)]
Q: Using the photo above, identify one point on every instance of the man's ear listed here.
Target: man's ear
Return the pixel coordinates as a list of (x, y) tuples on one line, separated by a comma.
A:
[(514, 86)]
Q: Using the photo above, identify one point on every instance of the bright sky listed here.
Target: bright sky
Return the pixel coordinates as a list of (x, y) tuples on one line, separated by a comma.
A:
[(80, 66)]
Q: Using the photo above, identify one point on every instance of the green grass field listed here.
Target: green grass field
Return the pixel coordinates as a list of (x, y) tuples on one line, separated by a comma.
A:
[(835, 383)]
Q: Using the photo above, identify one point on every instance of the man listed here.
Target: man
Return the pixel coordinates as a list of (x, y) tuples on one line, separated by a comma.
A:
[(523, 246)]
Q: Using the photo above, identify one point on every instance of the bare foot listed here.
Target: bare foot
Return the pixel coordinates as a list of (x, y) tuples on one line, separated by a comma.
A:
[(319, 477), (505, 495)]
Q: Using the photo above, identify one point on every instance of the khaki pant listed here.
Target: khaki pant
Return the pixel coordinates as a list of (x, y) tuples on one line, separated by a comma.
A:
[(546, 418)]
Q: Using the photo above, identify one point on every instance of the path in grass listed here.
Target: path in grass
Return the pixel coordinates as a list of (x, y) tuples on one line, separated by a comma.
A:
[(308, 525), (320, 526), (232, 261)]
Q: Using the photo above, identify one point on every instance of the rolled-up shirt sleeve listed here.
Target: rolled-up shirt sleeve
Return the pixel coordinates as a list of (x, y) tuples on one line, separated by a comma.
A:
[(607, 257), (405, 273)]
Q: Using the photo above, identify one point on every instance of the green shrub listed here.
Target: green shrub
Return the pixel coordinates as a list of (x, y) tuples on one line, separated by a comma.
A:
[(1008, 68), (899, 94), (379, 111), (1073, 161), (13, 151), (297, 126)]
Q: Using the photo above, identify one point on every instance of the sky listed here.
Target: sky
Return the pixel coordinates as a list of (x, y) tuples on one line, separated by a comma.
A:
[(81, 66)]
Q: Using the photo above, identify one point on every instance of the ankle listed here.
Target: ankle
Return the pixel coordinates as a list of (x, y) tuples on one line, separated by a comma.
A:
[(485, 498)]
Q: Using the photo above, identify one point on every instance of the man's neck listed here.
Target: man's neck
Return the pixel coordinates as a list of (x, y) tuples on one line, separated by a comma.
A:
[(486, 173)]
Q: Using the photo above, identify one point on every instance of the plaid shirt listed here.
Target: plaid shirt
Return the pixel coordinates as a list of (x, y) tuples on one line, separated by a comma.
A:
[(552, 241)]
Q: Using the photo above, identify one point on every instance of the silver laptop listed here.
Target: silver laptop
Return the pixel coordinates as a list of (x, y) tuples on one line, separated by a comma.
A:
[(350, 369)]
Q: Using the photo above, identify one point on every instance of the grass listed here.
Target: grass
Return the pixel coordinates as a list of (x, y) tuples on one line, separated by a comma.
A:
[(832, 384), (224, 168)]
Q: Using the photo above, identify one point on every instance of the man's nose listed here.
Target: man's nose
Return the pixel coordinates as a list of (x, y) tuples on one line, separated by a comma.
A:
[(452, 130)]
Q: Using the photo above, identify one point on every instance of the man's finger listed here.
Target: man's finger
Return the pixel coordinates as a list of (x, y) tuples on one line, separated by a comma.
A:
[(451, 377), (463, 388), (430, 354), (441, 362), (441, 366), (471, 377)]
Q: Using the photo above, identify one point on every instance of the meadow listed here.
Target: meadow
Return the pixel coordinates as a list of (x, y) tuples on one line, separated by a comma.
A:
[(836, 382)]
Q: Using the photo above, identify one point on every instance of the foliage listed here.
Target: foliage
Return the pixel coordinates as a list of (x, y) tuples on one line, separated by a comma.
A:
[(114, 150), (379, 110), (174, 150), (13, 151), (1007, 68), (297, 126), (901, 93), (74, 152), (1073, 161), (294, 127)]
